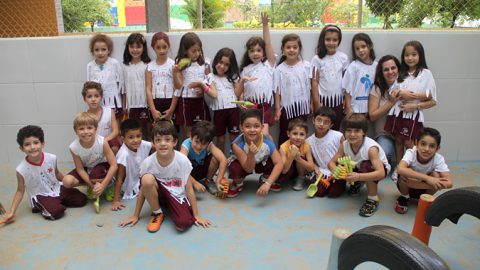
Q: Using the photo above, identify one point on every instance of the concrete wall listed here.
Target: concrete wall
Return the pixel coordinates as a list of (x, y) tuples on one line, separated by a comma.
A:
[(41, 79)]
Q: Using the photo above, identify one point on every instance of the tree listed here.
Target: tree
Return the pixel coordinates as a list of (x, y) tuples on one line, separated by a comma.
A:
[(300, 12), (385, 9), (414, 12), (452, 10), (77, 12), (249, 9), (213, 12), (346, 12)]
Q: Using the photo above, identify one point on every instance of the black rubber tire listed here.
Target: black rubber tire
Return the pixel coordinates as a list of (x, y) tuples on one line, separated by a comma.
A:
[(453, 204), (387, 246)]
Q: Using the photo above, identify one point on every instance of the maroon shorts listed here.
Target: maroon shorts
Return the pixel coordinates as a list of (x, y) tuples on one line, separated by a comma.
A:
[(163, 104), (200, 172), (415, 193), (182, 214), (191, 110), (54, 207), (336, 188), (283, 126), (115, 143), (266, 110), (366, 166), (143, 116), (98, 172), (403, 128), (235, 170), (339, 115), (226, 119)]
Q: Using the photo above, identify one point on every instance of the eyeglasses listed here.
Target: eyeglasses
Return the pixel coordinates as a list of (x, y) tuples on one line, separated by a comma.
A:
[(322, 122)]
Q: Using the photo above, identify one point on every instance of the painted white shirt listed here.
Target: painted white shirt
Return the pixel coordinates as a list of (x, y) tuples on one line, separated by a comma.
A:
[(261, 89), (331, 69), (425, 83), (362, 153), (105, 123), (436, 164), (110, 76), (225, 93), (92, 156), (293, 84), (162, 79), (323, 149), (173, 177), (40, 179), (134, 88), (131, 161), (193, 73), (358, 81)]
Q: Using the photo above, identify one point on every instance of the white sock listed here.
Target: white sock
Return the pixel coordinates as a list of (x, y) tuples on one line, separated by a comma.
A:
[(405, 196), (158, 211), (375, 198)]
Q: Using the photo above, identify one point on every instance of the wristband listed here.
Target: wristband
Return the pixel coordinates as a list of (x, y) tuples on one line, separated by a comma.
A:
[(206, 88)]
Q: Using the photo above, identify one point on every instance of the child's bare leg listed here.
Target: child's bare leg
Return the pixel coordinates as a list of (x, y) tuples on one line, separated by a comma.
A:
[(149, 188), (301, 171), (403, 185), (212, 168), (70, 181), (409, 144), (399, 149), (372, 188), (266, 131), (221, 143)]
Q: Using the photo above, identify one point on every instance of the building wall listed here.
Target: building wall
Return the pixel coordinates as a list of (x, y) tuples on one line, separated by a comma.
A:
[(41, 80)]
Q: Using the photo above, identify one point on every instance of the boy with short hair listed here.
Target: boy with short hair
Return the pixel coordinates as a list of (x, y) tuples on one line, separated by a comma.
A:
[(372, 165), (296, 154), (129, 157), (422, 170), (324, 144), (39, 176), (166, 181), (95, 164), (253, 151), (204, 156)]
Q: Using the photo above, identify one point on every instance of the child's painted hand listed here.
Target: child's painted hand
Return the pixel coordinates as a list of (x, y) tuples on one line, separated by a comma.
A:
[(437, 183), (252, 148), (263, 189), (167, 114), (294, 151), (407, 95), (199, 221), (176, 69), (264, 19), (198, 187), (352, 177), (9, 219), (116, 206), (156, 114), (98, 189), (128, 221)]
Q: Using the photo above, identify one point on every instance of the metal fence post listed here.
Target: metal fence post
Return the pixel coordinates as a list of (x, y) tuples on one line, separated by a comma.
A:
[(199, 14), (359, 15), (158, 15)]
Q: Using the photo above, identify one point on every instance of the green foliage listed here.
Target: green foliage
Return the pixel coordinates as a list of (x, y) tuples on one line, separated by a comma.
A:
[(248, 8), (302, 13), (213, 12), (414, 12), (256, 24), (345, 12), (385, 9), (77, 12)]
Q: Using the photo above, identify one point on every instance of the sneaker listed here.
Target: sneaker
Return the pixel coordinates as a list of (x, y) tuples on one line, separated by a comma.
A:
[(211, 186), (394, 176), (368, 208), (90, 193), (234, 189), (298, 183), (109, 193), (355, 188), (275, 187), (402, 205), (155, 222)]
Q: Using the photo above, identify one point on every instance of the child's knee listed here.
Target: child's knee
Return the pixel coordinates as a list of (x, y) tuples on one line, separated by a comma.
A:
[(435, 174), (183, 224), (55, 213), (69, 181), (148, 180)]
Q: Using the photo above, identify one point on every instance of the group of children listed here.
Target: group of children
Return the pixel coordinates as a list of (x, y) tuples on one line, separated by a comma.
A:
[(113, 157)]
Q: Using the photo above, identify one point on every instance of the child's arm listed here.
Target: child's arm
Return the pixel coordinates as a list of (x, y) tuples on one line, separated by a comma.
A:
[(99, 187), (425, 181), (269, 53), (308, 164), (202, 88), (117, 205), (278, 110), (115, 129), (222, 164), (247, 160), (58, 174), (238, 88), (375, 111), (17, 198), (169, 113), (136, 214), (287, 161), (315, 97), (410, 106), (193, 202), (148, 88), (332, 164), (81, 170), (377, 174), (348, 104), (177, 77), (277, 169)]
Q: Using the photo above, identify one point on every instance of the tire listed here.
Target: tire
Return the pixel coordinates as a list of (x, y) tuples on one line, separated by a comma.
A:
[(387, 246), (453, 204)]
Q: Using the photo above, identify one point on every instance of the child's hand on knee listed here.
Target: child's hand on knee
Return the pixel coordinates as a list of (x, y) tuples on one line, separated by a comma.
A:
[(198, 187)]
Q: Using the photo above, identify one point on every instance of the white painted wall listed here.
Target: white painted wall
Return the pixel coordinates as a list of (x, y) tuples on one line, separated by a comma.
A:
[(41, 80)]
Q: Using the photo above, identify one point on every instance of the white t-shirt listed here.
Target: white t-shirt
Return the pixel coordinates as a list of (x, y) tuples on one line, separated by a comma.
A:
[(424, 82), (331, 69), (131, 161), (110, 75), (92, 156), (134, 88), (293, 84), (261, 89), (162, 78), (358, 81), (40, 179), (105, 123), (173, 177), (362, 153), (193, 73), (379, 124), (225, 93), (323, 149), (436, 164)]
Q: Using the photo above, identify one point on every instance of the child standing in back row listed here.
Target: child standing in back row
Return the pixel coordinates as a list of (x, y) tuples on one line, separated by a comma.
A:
[(134, 101), (360, 75), (107, 71), (328, 67), (256, 71), (291, 81), (189, 82)]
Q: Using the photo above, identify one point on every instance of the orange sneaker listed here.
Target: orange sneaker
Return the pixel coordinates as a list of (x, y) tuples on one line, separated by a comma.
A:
[(155, 222)]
